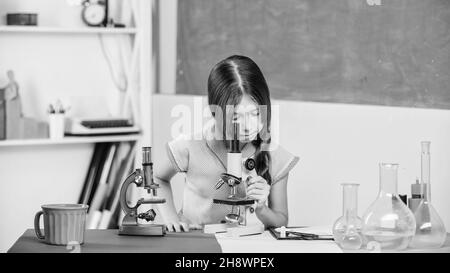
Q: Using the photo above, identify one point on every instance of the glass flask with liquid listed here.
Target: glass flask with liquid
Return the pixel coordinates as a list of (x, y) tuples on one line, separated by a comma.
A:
[(388, 221), (430, 230), (347, 228)]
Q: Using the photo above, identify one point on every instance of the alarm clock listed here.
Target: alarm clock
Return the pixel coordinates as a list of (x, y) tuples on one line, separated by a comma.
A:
[(95, 14)]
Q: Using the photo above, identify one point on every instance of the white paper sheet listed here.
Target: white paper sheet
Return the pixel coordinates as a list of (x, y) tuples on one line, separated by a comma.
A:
[(265, 242)]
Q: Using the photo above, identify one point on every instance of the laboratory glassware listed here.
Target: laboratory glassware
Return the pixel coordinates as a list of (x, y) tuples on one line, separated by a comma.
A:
[(388, 221), (430, 230), (347, 228)]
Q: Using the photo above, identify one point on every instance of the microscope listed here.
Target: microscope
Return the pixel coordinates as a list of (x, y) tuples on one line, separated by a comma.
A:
[(242, 208), (142, 178)]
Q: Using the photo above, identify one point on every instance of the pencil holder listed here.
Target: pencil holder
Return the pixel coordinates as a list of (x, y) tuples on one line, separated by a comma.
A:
[(56, 125)]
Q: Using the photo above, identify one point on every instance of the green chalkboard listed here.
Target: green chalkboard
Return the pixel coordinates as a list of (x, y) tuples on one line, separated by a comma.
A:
[(344, 51)]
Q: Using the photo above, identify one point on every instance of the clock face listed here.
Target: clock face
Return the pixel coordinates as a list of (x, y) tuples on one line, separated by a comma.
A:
[(94, 14)]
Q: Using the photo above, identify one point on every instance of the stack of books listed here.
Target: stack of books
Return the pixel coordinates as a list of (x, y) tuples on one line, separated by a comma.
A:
[(111, 163)]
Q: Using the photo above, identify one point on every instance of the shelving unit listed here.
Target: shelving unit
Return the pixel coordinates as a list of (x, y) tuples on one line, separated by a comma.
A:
[(136, 70), (61, 30), (54, 171), (69, 140)]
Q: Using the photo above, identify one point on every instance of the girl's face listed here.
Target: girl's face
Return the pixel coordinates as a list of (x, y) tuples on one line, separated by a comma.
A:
[(247, 114)]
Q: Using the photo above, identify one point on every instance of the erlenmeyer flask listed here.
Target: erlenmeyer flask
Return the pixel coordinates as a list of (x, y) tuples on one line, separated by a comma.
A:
[(347, 228), (388, 221), (430, 230)]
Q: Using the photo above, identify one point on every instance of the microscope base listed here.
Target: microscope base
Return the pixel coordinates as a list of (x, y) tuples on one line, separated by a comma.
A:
[(143, 230)]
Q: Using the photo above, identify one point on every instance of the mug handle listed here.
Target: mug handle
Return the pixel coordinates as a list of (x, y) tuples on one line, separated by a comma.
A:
[(37, 229)]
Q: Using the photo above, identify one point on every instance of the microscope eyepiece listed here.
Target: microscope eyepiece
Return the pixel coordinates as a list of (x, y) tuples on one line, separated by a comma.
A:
[(235, 140), (146, 155)]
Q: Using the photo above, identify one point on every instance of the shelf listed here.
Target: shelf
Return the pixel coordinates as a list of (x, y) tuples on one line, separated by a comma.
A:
[(63, 30), (69, 140)]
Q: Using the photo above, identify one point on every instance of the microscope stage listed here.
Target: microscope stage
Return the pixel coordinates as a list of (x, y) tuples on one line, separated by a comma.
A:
[(234, 201)]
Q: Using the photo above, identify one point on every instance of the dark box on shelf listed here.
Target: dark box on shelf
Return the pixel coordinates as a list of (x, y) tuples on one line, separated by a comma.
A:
[(22, 19)]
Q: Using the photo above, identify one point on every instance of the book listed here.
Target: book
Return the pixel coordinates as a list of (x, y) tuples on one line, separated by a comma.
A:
[(100, 194), (91, 173), (122, 168), (114, 176), (105, 219), (93, 219), (113, 207), (98, 174)]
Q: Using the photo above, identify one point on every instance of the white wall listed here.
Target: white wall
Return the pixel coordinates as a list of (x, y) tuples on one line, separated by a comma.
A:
[(31, 176), (168, 45), (340, 143)]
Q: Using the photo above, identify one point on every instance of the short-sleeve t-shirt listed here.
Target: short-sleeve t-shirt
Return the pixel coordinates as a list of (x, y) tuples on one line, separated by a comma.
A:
[(203, 158)]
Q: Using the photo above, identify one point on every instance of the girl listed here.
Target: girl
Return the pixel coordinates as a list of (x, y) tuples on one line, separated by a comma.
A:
[(237, 82)]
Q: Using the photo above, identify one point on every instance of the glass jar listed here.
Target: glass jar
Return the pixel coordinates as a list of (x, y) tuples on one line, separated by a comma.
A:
[(388, 221)]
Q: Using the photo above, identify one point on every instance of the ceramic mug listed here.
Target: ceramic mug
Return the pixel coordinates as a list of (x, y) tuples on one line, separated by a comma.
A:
[(63, 223)]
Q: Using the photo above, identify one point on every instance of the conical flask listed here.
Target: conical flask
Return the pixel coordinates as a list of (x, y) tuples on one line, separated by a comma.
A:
[(430, 230), (388, 221), (347, 228)]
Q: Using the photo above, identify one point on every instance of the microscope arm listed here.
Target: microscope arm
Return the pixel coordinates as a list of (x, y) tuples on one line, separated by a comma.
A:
[(131, 212), (136, 178)]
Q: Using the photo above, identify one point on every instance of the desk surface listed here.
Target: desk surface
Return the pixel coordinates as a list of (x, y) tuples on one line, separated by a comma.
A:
[(97, 241), (109, 241)]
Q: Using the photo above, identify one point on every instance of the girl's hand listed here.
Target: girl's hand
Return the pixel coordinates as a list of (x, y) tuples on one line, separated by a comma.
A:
[(176, 225), (258, 189)]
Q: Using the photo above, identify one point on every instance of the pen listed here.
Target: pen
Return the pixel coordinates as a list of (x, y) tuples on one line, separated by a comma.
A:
[(303, 235), (309, 236)]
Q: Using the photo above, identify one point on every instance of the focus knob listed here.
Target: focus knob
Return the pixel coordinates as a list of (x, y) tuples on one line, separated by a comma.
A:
[(250, 164)]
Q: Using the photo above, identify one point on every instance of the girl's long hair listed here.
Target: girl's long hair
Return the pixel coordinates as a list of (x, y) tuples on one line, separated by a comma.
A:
[(228, 81)]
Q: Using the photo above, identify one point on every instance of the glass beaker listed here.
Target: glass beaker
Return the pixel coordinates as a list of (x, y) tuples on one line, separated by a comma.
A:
[(430, 230), (388, 221), (347, 228)]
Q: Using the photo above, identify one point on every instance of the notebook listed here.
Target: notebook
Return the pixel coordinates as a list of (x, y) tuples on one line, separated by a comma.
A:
[(324, 233)]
